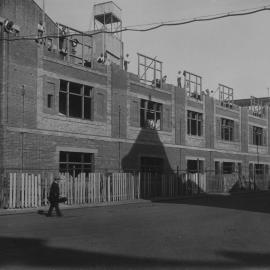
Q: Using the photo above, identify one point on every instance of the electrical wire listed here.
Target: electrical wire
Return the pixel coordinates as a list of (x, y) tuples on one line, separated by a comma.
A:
[(199, 19), (163, 24), (204, 16)]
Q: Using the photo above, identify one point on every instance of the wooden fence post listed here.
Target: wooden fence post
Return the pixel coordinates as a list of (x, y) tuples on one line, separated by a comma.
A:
[(10, 189)]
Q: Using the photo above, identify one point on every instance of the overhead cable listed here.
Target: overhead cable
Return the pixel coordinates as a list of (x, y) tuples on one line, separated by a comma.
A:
[(163, 24)]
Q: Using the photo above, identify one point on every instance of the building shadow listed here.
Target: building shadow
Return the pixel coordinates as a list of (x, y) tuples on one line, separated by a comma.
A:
[(149, 157), (29, 252), (147, 154), (254, 202), (149, 145)]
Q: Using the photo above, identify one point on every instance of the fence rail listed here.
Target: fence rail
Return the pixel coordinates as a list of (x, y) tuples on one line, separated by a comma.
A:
[(28, 190), (23, 190)]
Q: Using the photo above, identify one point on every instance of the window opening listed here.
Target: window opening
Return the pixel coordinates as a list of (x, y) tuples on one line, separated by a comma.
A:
[(228, 167), (256, 108), (50, 101), (257, 135), (150, 70), (217, 167), (193, 85), (225, 96), (75, 100), (150, 114), (75, 162), (259, 169), (49, 44), (194, 166), (227, 126), (194, 123)]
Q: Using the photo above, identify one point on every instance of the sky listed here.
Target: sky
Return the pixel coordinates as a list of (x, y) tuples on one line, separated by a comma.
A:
[(232, 51)]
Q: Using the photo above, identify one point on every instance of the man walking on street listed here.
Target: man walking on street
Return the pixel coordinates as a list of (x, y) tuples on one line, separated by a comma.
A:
[(54, 198)]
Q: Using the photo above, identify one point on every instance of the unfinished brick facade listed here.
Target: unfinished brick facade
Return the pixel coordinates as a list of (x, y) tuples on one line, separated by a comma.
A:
[(32, 134)]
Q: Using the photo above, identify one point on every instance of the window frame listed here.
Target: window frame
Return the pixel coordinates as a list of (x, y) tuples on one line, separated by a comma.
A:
[(67, 163), (146, 109), (257, 137), (197, 117), (192, 165), (259, 169), (227, 129), (229, 168), (82, 94), (193, 85)]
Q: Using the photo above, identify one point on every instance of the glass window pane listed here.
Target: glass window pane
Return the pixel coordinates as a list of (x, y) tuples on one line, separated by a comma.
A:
[(142, 117), (75, 88), (75, 106), (63, 168), (63, 157), (88, 157), (87, 91), (193, 127), (87, 108), (63, 85), (75, 162), (199, 128), (63, 103), (143, 103), (74, 157), (151, 105)]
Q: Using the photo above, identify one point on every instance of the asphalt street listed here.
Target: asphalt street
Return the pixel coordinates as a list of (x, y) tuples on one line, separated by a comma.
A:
[(213, 232)]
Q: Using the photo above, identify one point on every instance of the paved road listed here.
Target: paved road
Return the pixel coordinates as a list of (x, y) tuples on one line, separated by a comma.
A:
[(217, 232)]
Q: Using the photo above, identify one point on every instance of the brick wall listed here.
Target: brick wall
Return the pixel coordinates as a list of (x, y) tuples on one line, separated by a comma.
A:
[(26, 14), (32, 134), (119, 102), (209, 122), (22, 74), (180, 112), (244, 130), (39, 151)]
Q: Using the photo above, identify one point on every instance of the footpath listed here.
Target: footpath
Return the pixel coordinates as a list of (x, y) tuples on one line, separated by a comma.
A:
[(43, 209), (19, 211)]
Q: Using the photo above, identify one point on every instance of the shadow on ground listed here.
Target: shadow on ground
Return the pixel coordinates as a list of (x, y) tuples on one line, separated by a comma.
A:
[(35, 253), (255, 202), (148, 144)]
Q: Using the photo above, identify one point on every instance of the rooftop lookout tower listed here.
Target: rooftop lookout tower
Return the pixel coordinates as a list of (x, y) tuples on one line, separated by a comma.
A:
[(108, 25)]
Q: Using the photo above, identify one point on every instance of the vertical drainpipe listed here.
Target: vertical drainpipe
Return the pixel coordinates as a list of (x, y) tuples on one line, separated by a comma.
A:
[(44, 21), (119, 135), (103, 36), (22, 133)]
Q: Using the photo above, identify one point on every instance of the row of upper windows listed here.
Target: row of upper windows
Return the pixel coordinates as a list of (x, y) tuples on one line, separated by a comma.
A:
[(76, 100), (75, 163)]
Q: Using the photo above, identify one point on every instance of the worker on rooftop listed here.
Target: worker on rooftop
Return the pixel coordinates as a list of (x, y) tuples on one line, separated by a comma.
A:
[(126, 62)]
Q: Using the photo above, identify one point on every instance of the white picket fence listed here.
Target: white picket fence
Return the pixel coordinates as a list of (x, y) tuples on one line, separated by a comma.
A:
[(25, 190), (172, 185)]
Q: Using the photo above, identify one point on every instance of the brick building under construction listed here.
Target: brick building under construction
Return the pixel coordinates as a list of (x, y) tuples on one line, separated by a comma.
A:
[(62, 110)]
